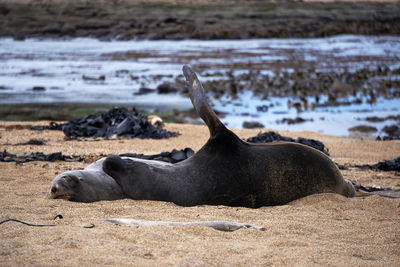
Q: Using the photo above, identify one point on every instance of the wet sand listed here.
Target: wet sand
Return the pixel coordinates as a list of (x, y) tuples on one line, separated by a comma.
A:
[(319, 229)]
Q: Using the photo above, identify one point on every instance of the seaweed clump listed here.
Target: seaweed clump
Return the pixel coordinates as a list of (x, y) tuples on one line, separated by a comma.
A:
[(268, 137), (115, 122)]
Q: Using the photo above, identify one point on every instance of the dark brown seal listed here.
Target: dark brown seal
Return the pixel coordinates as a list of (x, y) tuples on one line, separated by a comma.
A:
[(230, 171)]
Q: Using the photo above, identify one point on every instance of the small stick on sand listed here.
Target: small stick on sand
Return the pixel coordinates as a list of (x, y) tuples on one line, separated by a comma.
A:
[(217, 225)]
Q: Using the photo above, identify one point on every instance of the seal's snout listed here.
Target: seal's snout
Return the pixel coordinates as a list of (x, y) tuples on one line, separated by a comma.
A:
[(53, 189)]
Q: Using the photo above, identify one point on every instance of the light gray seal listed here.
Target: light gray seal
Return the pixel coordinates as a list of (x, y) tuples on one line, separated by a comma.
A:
[(225, 171)]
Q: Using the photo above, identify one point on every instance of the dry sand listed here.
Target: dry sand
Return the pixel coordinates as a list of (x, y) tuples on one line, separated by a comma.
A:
[(316, 230)]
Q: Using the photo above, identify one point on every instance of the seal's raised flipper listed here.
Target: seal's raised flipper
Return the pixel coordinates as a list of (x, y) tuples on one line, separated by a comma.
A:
[(200, 103)]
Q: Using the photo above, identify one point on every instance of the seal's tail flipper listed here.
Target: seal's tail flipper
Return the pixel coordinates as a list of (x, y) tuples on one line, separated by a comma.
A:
[(200, 103)]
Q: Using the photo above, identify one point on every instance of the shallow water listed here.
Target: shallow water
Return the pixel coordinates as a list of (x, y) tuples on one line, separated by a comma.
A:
[(67, 71)]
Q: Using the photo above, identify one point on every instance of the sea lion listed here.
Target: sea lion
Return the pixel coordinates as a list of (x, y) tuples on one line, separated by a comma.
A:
[(230, 171), (225, 171)]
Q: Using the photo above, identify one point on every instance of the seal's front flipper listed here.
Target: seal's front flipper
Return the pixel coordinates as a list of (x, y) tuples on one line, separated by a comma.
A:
[(200, 103), (127, 173), (115, 167)]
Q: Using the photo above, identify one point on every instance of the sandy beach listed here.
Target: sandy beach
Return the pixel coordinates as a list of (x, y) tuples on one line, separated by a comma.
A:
[(324, 229)]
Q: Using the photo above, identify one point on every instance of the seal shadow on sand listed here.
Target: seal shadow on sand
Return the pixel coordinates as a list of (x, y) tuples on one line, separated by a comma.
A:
[(225, 171)]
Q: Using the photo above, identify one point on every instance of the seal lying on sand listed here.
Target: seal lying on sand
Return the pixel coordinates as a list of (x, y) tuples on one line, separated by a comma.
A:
[(225, 171)]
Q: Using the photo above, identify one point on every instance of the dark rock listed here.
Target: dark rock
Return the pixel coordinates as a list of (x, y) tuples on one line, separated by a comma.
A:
[(38, 156), (263, 108), (35, 142), (363, 129), (38, 88), (170, 20), (378, 119), (269, 137), (167, 88), (88, 78), (252, 125), (374, 119), (143, 91), (392, 130), (293, 121), (4, 10)]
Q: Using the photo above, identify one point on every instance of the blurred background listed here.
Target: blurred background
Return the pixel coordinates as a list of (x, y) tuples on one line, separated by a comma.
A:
[(330, 67)]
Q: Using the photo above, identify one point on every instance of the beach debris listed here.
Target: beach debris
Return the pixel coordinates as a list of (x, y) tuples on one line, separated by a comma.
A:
[(35, 142), (172, 157), (29, 224), (377, 190), (386, 165), (252, 125), (268, 137), (52, 126), (58, 216), (116, 121), (37, 156), (226, 226), (156, 121), (89, 226), (363, 129)]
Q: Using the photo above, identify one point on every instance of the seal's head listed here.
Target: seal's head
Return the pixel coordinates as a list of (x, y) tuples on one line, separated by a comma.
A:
[(66, 186), (88, 185), (347, 189)]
